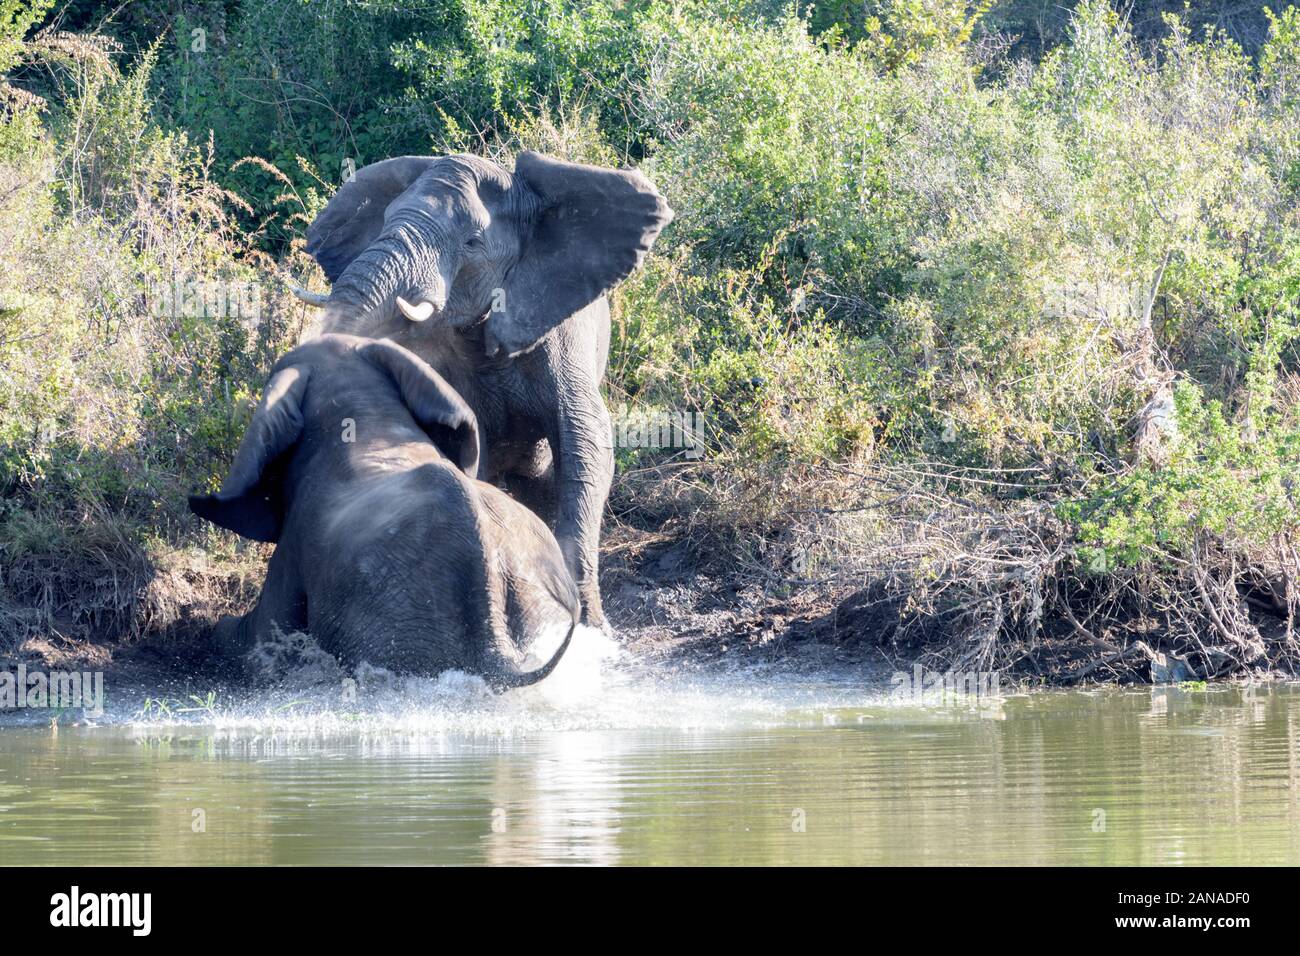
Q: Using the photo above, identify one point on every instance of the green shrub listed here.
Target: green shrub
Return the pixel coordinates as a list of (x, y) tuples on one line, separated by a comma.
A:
[(1217, 482), (117, 398)]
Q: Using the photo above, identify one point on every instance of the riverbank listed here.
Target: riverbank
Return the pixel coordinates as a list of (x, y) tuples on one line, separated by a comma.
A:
[(675, 606), (679, 610)]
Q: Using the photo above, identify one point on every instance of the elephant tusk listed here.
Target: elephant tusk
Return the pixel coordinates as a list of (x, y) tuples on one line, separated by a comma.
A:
[(318, 299), (416, 313)]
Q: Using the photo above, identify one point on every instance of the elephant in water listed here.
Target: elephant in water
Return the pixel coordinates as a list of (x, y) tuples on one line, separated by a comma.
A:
[(498, 280), (389, 550)]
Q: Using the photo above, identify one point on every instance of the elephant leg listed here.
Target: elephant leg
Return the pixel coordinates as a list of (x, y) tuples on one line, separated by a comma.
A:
[(584, 471), (282, 604)]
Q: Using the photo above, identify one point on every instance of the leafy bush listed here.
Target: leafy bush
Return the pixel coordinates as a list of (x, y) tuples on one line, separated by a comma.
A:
[(1217, 482), (117, 396)]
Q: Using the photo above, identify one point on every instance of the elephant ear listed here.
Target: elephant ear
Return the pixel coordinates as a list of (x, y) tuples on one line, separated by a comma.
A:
[(594, 228), (251, 499), (438, 407), (353, 219)]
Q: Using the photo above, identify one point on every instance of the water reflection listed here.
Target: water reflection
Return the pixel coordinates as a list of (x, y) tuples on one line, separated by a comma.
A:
[(837, 776)]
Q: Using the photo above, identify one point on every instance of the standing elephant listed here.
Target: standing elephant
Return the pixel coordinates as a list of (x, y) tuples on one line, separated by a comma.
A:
[(388, 550), (498, 279)]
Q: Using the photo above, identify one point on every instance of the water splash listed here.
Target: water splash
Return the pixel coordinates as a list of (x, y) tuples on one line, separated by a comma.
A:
[(597, 685)]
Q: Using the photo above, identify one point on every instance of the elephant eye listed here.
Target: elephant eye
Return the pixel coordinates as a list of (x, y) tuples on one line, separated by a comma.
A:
[(475, 241)]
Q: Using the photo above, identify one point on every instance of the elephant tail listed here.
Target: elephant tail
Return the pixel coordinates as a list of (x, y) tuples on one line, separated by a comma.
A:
[(509, 677)]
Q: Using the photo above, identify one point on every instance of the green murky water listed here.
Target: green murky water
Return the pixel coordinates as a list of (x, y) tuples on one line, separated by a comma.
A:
[(741, 769)]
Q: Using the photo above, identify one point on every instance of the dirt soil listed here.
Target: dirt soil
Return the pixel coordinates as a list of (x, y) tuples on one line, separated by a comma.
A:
[(664, 607)]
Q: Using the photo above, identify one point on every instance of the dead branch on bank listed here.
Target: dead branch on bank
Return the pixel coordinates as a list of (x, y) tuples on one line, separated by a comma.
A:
[(945, 570)]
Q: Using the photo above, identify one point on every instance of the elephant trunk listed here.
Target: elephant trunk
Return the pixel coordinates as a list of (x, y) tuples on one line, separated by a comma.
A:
[(345, 310), (369, 286), (406, 271), (508, 676), (485, 615)]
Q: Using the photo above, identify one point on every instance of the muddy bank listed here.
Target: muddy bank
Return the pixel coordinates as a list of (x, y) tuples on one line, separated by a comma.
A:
[(676, 608), (672, 605)]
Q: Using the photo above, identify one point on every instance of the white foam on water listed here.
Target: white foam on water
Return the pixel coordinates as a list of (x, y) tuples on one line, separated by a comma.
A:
[(580, 675), (596, 686)]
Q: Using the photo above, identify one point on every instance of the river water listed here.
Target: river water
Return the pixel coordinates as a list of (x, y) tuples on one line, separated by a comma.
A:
[(607, 762)]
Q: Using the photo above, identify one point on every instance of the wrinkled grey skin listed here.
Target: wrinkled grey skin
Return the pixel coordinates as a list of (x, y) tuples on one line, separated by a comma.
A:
[(508, 274), (388, 550)]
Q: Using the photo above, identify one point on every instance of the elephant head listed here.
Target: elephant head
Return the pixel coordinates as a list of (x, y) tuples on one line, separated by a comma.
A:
[(448, 240), (253, 499)]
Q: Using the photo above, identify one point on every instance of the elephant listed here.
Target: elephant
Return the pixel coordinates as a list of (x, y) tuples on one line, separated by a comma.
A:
[(499, 281), (360, 464)]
